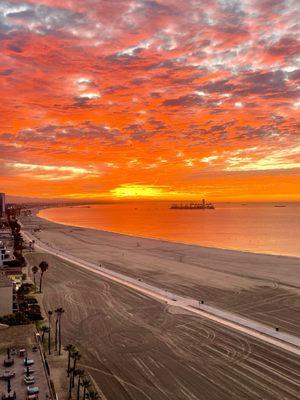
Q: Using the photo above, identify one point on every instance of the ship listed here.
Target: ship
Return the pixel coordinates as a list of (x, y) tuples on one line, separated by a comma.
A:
[(203, 205)]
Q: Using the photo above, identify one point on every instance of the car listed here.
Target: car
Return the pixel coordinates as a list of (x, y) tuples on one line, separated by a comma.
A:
[(22, 352), (32, 397), (28, 361), (29, 380), (28, 370), (32, 390), (7, 375), (9, 396), (8, 362)]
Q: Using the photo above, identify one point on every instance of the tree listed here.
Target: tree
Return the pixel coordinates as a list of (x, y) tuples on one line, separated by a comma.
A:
[(44, 329), (60, 312), (76, 357), (86, 383), (43, 267), (70, 348), (79, 373), (49, 331), (56, 328), (93, 395), (71, 371), (34, 271)]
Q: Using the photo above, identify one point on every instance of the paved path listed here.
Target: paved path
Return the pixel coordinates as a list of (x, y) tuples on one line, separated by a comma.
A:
[(255, 329)]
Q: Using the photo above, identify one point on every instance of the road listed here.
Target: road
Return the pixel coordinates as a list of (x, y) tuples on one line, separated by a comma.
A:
[(253, 328)]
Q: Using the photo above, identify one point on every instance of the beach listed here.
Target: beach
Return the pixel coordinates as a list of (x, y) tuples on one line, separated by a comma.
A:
[(260, 287), (137, 347)]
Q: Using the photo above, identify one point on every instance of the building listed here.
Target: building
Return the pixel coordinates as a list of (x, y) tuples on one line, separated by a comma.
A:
[(5, 255), (2, 204), (6, 295), (6, 237), (10, 267)]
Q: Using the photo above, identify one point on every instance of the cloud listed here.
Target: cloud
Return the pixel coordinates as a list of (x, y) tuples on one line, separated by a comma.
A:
[(90, 96), (101, 83), (52, 172), (184, 101), (38, 18), (59, 135), (276, 160), (134, 50)]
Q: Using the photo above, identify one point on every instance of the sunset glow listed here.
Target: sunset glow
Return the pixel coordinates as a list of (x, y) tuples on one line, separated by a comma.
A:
[(159, 99)]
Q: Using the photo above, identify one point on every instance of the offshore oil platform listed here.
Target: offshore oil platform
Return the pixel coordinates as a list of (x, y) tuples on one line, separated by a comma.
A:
[(193, 206)]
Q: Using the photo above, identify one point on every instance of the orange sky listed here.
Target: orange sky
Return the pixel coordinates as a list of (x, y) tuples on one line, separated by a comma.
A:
[(150, 98)]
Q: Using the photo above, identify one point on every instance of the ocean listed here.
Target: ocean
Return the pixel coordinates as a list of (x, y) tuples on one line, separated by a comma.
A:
[(255, 227)]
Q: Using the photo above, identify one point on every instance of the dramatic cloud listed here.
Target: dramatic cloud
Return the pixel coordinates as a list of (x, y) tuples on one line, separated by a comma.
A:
[(153, 98), (52, 172)]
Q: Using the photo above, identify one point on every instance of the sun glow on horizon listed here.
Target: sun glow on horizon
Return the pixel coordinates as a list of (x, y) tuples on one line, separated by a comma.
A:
[(137, 190)]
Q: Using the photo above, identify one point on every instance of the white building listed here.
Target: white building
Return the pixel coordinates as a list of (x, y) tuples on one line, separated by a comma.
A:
[(13, 272), (2, 204), (6, 295), (5, 255)]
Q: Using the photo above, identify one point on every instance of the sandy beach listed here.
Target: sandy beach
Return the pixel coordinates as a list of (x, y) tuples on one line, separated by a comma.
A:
[(139, 348), (262, 287)]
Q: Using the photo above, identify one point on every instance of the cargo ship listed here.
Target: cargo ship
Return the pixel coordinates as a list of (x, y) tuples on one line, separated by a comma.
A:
[(193, 206)]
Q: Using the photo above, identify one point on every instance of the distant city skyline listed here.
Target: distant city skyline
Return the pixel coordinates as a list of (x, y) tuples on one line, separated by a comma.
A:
[(157, 99)]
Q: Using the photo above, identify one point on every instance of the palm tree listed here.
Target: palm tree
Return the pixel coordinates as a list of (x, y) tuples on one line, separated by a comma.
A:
[(60, 312), (76, 357), (49, 332), (70, 348), (71, 370), (93, 395), (56, 328), (79, 373), (43, 267), (44, 329), (86, 383), (34, 271)]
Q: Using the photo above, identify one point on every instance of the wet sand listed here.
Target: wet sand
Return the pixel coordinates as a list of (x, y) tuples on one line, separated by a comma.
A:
[(261, 287)]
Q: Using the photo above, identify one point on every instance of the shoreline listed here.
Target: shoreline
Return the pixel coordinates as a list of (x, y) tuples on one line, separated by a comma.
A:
[(37, 214), (260, 287)]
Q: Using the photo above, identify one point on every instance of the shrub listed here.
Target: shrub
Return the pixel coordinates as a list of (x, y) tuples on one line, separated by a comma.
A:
[(18, 318)]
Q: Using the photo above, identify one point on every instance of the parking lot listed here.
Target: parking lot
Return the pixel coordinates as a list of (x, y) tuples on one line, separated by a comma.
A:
[(36, 373)]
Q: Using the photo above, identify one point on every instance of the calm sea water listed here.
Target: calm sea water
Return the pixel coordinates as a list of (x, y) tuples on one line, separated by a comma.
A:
[(252, 227)]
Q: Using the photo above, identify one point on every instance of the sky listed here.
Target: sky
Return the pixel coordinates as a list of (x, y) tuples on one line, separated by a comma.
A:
[(166, 99)]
